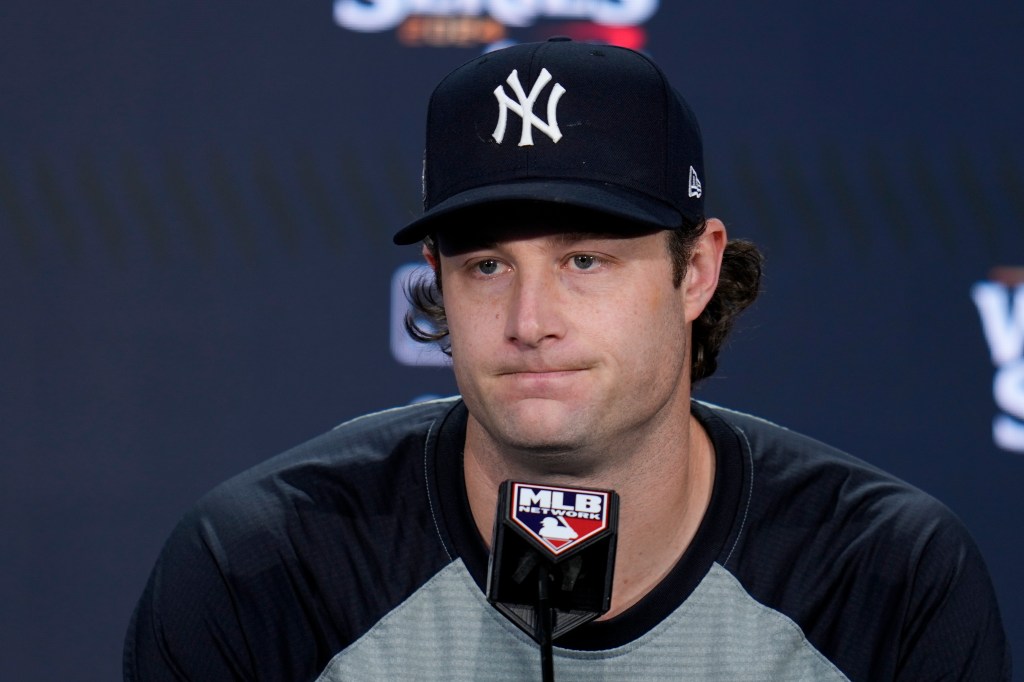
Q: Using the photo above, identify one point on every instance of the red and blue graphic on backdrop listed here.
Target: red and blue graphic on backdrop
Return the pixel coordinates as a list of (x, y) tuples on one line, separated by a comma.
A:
[(559, 518)]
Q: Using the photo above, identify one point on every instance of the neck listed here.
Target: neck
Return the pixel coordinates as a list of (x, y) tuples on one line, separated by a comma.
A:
[(662, 485)]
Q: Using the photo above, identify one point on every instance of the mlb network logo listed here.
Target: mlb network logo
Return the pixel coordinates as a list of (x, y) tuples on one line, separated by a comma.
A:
[(1000, 303), (559, 518)]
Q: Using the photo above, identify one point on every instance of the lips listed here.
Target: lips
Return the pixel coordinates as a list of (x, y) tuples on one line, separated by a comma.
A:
[(547, 382), (539, 371)]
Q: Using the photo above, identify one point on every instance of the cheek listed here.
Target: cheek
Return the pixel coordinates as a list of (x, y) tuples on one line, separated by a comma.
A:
[(653, 327), (459, 332), (471, 330), (653, 306)]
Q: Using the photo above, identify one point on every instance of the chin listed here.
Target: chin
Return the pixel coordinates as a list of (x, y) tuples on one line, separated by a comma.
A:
[(554, 461), (546, 439), (534, 437), (538, 446), (545, 425)]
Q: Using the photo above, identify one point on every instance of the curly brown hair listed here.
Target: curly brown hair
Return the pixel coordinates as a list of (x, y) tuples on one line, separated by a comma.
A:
[(739, 284)]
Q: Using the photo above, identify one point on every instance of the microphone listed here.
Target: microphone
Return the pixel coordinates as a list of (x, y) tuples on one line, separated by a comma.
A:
[(552, 559)]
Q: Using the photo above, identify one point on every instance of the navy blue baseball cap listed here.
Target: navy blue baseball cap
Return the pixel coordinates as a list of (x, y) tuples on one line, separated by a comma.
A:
[(590, 126)]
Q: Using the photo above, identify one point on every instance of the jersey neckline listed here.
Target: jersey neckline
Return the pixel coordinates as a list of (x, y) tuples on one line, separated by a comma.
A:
[(713, 541)]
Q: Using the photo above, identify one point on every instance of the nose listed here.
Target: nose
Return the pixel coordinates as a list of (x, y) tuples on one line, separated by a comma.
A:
[(535, 309)]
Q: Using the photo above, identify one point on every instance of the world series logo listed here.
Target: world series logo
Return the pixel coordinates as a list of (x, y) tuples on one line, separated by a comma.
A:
[(1000, 303), (496, 23)]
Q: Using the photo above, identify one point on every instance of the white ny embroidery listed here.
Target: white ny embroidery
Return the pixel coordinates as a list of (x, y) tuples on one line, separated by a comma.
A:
[(524, 108)]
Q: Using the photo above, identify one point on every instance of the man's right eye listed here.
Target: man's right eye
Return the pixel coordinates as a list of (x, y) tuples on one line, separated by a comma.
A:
[(487, 267)]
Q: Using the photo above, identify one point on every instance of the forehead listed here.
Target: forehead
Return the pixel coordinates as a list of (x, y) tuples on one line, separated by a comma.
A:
[(493, 225)]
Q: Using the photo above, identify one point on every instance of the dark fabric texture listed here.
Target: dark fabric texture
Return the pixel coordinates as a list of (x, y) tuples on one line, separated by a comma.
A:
[(278, 570)]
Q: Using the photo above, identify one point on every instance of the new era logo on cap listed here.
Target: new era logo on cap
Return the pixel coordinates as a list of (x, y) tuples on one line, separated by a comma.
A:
[(601, 129), (695, 188)]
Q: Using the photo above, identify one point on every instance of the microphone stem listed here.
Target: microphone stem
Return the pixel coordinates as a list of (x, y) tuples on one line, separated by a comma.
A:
[(545, 623)]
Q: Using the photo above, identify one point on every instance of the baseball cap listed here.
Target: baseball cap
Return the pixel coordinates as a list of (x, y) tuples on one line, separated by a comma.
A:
[(596, 127)]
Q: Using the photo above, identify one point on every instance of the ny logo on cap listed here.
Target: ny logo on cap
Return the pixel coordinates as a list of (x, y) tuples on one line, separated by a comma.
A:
[(524, 108)]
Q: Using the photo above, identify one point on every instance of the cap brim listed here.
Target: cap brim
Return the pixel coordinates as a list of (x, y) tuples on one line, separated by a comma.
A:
[(638, 211)]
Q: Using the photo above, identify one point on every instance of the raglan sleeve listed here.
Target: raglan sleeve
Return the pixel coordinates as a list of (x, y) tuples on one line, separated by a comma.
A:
[(953, 629), (184, 626)]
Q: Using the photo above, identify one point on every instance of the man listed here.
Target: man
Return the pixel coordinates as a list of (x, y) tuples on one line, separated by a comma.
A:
[(581, 291)]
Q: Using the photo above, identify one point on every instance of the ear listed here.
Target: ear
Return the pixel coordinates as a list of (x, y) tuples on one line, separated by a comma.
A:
[(703, 268), (428, 256)]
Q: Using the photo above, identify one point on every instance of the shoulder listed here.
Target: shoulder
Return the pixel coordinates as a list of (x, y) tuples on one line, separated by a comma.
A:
[(351, 460), (323, 492), (284, 564), (817, 482), (852, 553)]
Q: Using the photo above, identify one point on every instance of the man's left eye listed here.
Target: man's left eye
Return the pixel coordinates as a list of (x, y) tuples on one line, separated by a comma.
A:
[(584, 262)]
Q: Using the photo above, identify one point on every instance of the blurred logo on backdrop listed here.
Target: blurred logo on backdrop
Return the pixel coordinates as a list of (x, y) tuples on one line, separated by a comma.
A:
[(491, 24), (1000, 303), (403, 348)]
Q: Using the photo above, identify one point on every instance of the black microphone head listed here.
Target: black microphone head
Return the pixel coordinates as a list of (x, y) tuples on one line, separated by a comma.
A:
[(565, 534)]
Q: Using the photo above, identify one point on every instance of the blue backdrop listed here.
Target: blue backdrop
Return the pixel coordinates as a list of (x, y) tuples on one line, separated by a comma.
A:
[(196, 203)]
